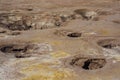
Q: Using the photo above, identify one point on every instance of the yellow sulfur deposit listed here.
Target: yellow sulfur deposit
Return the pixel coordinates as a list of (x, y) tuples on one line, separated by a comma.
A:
[(59, 54), (44, 72)]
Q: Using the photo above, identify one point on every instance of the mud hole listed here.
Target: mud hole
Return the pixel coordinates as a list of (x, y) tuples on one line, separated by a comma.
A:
[(111, 47), (116, 21), (23, 50), (74, 35), (9, 33), (2, 32), (14, 33), (68, 33), (13, 48), (86, 63), (18, 50), (109, 43), (62, 32)]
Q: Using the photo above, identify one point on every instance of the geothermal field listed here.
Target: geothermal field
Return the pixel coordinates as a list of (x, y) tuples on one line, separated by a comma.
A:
[(59, 39)]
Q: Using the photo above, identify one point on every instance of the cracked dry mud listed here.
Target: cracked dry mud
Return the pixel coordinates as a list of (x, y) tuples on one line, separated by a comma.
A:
[(59, 40)]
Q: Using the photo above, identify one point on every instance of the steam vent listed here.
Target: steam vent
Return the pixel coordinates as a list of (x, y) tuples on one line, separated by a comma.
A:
[(59, 39)]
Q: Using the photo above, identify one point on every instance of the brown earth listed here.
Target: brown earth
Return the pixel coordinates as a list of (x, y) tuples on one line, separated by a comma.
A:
[(59, 39)]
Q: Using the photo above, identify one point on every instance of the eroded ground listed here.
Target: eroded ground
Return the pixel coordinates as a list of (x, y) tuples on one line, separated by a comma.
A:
[(59, 40)]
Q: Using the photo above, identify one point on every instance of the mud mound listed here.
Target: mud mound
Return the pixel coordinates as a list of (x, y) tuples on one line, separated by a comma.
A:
[(86, 13), (41, 21), (18, 25), (14, 22), (105, 13)]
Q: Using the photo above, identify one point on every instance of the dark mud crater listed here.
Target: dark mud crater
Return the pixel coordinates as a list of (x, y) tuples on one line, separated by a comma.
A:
[(109, 43), (18, 50), (86, 63), (74, 35), (23, 50), (111, 47), (68, 33)]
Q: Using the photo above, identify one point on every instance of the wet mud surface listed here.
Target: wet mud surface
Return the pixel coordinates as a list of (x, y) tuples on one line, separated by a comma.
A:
[(59, 40)]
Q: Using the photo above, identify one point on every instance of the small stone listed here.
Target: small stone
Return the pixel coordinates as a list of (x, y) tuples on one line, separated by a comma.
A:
[(57, 23)]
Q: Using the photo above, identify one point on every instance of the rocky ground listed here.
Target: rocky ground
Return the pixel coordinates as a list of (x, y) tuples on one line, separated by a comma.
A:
[(59, 40)]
